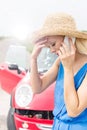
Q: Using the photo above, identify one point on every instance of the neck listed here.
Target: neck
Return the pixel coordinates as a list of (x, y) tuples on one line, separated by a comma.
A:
[(78, 56), (80, 59)]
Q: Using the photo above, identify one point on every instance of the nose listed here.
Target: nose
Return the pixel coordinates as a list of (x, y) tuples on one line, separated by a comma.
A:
[(52, 50)]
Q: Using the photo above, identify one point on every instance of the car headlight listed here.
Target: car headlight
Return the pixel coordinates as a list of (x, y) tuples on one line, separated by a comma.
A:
[(23, 95)]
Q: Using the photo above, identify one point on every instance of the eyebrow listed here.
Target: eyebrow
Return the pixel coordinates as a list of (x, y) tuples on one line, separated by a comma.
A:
[(50, 43)]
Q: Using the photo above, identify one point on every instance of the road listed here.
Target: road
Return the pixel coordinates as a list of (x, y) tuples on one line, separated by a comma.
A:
[(4, 107)]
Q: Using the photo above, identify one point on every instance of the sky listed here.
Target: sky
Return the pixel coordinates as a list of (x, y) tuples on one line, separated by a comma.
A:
[(20, 18)]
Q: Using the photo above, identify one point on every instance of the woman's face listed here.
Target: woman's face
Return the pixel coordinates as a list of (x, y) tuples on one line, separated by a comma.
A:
[(54, 43)]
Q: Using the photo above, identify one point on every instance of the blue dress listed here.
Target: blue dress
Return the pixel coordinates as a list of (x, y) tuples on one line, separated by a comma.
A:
[(61, 120)]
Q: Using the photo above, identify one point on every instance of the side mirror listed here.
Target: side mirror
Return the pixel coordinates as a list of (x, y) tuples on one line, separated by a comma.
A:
[(14, 67)]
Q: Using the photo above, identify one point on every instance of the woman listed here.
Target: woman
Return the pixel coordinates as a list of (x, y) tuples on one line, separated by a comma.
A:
[(69, 71)]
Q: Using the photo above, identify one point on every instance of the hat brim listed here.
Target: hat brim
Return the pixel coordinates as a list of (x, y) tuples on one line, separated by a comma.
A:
[(61, 31)]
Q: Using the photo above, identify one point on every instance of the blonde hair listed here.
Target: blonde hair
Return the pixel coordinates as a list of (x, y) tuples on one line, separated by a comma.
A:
[(81, 45)]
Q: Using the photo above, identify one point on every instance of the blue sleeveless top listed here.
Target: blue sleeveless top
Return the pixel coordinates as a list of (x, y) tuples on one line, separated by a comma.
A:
[(60, 112)]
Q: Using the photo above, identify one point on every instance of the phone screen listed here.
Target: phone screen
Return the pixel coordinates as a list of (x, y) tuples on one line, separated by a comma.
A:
[(66, 41)]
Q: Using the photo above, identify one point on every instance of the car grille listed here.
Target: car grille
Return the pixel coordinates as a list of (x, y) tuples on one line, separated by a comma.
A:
[(36, 114)]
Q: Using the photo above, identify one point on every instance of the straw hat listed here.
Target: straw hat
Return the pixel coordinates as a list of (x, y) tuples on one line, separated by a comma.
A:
[(60, 24)]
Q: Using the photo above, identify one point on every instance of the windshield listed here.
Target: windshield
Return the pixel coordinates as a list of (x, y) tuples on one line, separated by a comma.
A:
[(45, 60)]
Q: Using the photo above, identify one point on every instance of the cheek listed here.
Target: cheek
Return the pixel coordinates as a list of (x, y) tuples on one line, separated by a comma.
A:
[(57, 47)]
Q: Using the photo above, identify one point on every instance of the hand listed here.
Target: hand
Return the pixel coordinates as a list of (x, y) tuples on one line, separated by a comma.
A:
[(66, 54), (39, 44)]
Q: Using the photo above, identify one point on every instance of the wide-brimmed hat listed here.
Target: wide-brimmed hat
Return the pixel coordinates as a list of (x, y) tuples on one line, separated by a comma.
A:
[(60, 24)]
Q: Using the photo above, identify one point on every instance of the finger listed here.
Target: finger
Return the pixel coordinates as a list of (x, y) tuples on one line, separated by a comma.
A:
[(41, 40), (66, 48), (73, 48), (71, 42), (59, 53), (41, 46), (62, 49)]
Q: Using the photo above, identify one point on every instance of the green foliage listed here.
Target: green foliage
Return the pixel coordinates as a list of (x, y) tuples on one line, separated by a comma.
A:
[(84, 31)]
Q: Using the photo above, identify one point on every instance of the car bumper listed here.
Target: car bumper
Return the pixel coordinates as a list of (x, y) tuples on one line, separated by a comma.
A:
[(26, 123)]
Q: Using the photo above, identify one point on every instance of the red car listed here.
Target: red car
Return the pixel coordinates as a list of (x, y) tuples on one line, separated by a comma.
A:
[(28, 111)]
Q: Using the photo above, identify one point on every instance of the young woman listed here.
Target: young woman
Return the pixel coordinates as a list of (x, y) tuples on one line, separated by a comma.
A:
[(69, 70)]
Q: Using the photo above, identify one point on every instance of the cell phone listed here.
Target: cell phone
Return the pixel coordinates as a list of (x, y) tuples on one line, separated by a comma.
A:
[(66, 41)]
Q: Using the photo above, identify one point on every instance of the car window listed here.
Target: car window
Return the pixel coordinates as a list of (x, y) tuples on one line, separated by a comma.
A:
[(16, 54), (45, 60)]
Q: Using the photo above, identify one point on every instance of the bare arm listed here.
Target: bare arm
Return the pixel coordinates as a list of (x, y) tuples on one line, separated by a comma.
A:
[(40, 83), (76, 101)]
